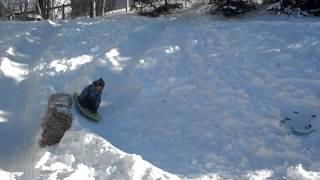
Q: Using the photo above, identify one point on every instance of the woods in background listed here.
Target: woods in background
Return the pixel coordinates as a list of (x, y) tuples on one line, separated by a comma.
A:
[(56, 9), (61, 9)]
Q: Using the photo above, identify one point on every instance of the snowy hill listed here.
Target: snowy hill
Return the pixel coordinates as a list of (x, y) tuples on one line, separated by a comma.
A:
[(187, 97)]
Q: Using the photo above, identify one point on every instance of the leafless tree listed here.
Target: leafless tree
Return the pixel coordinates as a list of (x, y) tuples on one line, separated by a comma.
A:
[(11, 7)]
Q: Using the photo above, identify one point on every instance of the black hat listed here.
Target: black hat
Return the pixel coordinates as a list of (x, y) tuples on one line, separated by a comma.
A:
[(99, 82)]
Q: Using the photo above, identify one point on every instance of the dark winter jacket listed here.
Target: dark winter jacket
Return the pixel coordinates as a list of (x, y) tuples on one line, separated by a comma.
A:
[(90, 98)]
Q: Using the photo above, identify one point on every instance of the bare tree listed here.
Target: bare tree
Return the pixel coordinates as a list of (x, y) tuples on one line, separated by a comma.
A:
[(9, 7), (84, 7), (3, 10), (45, 6), (166, 5)]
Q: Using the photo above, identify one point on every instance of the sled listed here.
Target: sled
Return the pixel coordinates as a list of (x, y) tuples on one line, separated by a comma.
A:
[(86, 112), (298, 124)]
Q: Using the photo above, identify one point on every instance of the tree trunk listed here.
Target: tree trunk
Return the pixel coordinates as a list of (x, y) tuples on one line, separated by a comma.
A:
[(49, 12), (42, 7), (103, 7), (26, 5), (93, 9), (166, 5), (284, 3), (127, 6), (63, 12), (38, 8)]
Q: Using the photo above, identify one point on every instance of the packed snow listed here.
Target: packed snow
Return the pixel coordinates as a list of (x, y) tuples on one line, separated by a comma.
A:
[(186, 97)]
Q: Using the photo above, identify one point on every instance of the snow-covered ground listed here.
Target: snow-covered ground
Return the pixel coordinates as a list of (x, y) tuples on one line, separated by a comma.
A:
[(187, 97)]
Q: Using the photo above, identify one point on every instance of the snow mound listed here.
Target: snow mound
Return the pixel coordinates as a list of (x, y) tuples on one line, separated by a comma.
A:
[(299, 173), (83, 155), (4, 175), (14, 70)]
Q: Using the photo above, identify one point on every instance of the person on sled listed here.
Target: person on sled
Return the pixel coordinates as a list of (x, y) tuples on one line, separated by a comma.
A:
[(90, 96)]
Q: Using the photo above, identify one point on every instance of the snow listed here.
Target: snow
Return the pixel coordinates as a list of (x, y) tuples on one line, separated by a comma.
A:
[(186, 98), (115, 59), (96, 158), (9, 175), (67, 65), (260, 174), (172, 49), (298, 172), (14, 70), (3, 115)]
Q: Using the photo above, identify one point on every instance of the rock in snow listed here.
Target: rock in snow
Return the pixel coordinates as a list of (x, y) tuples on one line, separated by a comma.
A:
[(57, 120)]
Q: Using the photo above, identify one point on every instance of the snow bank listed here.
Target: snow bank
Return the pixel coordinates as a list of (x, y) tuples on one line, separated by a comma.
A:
[(14, 70), (299, 173), (82, 155), (4, 175)]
